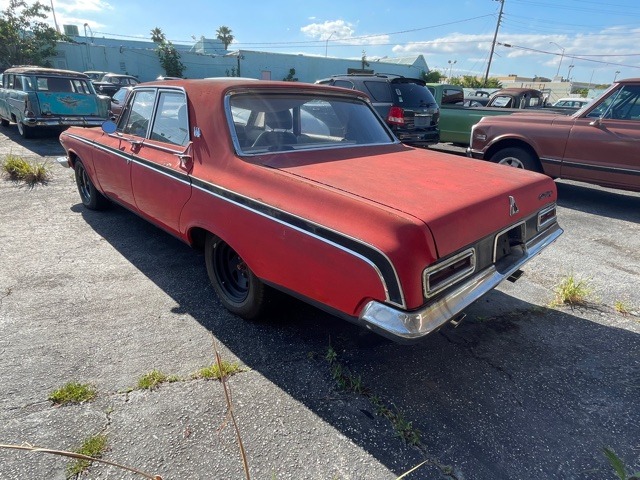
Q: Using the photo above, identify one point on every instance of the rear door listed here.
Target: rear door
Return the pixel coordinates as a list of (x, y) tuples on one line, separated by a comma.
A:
[(603, 145)]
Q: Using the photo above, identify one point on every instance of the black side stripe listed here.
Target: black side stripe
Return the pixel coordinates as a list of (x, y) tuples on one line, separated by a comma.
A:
[(598, 168), (373, 256), (377, 259)]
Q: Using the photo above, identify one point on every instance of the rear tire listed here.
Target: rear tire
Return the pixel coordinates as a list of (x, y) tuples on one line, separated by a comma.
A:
[(90, 196), (237, 287), (518, 158), (4, 122), (25, 130)]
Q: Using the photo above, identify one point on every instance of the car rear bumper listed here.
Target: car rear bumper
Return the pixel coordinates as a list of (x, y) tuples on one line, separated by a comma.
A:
[(64, 121), (406, 326), (419, 138)]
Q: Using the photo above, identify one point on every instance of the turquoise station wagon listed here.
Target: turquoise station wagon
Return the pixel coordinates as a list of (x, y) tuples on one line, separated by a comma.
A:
[(44, 97)]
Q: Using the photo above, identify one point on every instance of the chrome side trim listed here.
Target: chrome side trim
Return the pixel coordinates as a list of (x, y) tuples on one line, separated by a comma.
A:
[(404, 326)]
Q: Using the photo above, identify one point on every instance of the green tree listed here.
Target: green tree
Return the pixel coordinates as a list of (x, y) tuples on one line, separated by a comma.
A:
[(225, 36), (24, 38), (469, 81), (432, 77), (291, 77), (169, 56)]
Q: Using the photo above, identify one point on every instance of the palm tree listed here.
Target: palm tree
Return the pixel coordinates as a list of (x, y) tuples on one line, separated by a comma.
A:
[(225, 36)]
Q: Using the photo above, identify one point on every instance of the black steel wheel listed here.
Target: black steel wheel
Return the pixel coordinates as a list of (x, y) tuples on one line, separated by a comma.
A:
[(239, 290), (90, 196)]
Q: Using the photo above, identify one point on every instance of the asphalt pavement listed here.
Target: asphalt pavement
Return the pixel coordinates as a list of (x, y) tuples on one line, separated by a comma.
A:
[(520, 390)]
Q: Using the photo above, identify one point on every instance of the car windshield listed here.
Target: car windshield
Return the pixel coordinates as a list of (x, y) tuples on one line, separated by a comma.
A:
[(263, 123)]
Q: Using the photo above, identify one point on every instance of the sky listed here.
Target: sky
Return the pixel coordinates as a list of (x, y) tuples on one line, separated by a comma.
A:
[(585, 40)]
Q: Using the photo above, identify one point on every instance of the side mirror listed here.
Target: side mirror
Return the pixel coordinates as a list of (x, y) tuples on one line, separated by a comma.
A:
[(109, 126)]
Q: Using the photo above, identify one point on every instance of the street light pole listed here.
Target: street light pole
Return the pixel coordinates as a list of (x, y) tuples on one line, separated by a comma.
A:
[(561, 57), (326, 45), (451, 64), (616, 75), (569, 72)]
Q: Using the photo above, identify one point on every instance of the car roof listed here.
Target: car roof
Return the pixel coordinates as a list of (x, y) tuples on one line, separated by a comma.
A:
[(44, 71)]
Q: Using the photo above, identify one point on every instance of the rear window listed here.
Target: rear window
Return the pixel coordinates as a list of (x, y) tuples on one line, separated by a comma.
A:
[(412, 94), (378, 91)]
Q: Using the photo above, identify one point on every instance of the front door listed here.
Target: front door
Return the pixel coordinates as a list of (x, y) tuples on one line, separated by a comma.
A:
[(114, 155), (603, 145)]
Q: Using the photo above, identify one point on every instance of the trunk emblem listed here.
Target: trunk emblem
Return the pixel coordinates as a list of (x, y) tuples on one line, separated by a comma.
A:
[(513, 206)]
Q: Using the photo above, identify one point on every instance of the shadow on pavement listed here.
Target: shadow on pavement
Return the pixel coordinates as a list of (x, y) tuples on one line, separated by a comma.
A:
[(517, 391), (44, 143), (607, 203)]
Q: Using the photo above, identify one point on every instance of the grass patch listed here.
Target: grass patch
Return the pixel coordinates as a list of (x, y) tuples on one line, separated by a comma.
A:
[(622, 308), (571, 291), (73, 392), (153, 379), (18, 169), (217, 372), (92, 447)]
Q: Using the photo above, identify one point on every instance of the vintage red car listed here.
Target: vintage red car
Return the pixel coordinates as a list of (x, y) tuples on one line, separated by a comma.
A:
[(304, 189)]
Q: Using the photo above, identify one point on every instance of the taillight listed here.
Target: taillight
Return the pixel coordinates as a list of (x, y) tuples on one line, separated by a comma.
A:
[(396, 116), (28, 110)]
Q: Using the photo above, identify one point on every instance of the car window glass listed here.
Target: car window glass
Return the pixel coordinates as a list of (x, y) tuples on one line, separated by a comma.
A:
[(378, 91), (135, 120), (343, 84), (623, 104), (170, 123), (502, 101), (410, 94), (81, 86), (18, 83), (277, 123), (450, 96)]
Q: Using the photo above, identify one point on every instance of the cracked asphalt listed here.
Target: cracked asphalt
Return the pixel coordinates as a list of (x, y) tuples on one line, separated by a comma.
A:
[(520, 390)]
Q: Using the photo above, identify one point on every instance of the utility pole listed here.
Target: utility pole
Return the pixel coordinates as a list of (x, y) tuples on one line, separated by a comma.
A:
[(493, 44)]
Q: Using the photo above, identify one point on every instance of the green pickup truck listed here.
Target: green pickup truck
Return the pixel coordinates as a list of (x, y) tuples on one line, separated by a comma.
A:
[(456, 120)]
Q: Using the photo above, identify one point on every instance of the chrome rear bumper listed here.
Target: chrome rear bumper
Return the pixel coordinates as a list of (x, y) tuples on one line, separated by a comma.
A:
[(405, 326)]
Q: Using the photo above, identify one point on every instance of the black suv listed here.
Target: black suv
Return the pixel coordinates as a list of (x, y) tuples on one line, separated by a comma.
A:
[(406, 104)]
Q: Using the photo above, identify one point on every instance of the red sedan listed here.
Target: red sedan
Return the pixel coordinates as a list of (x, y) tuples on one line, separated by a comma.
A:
[(304, 189)]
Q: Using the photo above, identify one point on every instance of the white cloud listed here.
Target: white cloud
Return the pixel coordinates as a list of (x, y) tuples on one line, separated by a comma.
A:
[(71, 6), (341, 32)]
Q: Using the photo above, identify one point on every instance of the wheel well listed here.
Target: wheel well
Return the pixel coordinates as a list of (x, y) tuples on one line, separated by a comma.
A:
[(73, 157), (197, 237), (511, 143)]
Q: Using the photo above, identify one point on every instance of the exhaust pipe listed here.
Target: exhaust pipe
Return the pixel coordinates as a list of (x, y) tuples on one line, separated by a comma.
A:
[(457, 320)]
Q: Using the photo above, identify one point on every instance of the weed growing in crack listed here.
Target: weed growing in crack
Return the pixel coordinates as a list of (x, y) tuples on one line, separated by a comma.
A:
[(622, 308), (353, 383), (73, 392), (618, 465), (225, 369), (153, 379), (18, 169), (92, 447), (571, 291)]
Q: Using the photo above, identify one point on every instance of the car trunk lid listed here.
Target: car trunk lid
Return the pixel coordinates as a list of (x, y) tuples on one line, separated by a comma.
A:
[(459, 199)]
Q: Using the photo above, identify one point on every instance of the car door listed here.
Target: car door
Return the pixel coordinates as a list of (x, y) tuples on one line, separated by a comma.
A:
[(115, 152), (160, 170), (603, 145)]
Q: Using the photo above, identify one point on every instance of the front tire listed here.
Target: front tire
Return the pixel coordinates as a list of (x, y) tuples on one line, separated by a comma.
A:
[(518, 158), (4, 122), (90, 196), (238, 288)]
